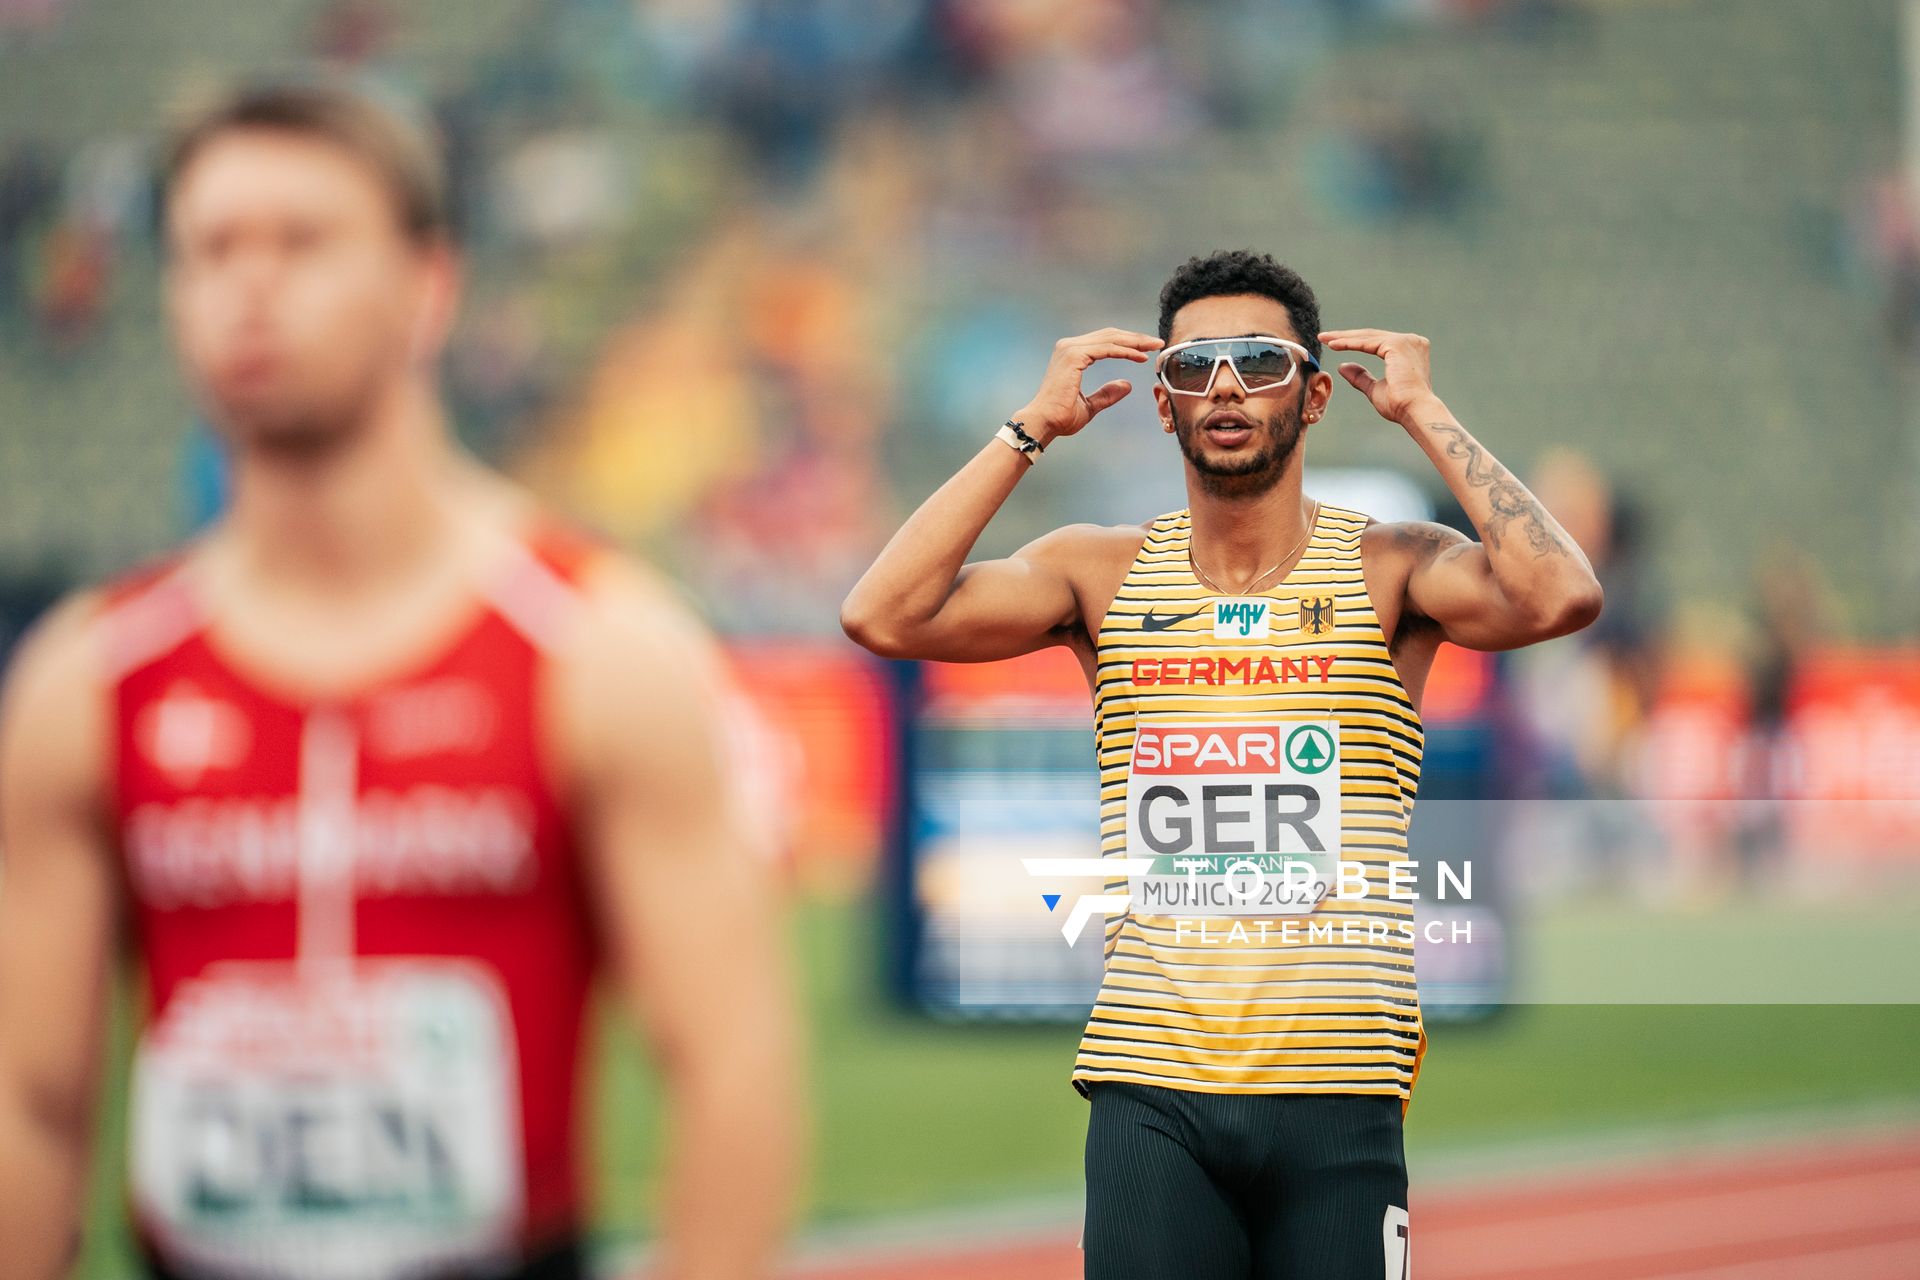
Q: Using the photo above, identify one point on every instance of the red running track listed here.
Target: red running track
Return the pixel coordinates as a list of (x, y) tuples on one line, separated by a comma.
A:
[(1839, 1208)]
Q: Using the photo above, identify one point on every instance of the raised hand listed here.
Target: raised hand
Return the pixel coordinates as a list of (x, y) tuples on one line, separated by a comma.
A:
[(1407, 382), (1060, 407)]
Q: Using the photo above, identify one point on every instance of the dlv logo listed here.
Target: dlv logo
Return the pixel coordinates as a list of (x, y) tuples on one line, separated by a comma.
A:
[(1240, 616)]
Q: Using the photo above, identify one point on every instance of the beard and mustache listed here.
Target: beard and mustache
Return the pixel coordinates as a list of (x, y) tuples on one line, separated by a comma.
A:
[(1243, 473), (303, 420)]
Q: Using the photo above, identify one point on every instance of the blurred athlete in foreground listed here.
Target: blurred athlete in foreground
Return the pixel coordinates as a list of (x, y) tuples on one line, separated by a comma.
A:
[(1256, 664), (377, 777)]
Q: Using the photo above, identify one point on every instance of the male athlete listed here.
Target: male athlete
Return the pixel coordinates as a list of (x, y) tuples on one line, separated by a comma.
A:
[(377, 776), (1256, 664)]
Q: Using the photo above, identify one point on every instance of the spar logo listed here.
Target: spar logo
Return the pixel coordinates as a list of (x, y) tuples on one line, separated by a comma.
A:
[(1310, 749), (1248, 618)]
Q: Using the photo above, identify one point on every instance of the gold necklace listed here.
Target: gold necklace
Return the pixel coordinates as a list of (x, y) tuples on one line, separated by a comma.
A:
[(1211, 585)]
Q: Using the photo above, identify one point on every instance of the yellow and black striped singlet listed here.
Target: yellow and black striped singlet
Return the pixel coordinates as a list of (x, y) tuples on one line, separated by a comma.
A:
[(1250, 1013)]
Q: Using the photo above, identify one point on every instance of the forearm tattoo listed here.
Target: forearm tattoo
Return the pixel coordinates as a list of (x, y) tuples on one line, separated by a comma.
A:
[(1507, 499)]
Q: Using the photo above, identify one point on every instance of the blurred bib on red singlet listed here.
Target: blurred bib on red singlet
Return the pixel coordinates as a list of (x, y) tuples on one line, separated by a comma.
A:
[(273, 1109)]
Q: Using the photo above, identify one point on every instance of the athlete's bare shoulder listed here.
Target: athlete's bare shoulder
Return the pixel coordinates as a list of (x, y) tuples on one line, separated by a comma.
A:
[(1390, 552), (1095, 559), (1088, 551), (53, 715), (633, 606), (626, 605), (63, 650), (637, 654), (1090, 543), (1399, 546)]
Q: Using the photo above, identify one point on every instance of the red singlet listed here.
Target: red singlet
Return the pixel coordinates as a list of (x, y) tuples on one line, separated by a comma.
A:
[(367, 941)]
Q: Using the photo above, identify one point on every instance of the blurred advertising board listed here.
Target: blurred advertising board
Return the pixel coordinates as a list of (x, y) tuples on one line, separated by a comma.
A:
[(1835, 777), (997, 765), (816, 741), (1853, 738)]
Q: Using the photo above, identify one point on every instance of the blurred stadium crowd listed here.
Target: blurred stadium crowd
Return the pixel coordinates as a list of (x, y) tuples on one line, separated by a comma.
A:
[(748, 275)]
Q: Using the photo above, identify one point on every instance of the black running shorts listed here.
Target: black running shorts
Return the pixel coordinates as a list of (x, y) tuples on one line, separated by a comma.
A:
[(1207, 1186)]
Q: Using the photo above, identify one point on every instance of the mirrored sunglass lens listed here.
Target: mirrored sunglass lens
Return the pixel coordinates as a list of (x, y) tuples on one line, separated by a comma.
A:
[(1261, 364), (1189, 370)]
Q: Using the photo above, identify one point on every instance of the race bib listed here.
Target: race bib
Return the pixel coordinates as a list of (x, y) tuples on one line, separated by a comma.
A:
[(1238, 818), (331, 1128)]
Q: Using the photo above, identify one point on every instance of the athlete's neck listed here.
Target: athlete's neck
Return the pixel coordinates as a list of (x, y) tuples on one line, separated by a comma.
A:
[(1236, 538), (356, 517)]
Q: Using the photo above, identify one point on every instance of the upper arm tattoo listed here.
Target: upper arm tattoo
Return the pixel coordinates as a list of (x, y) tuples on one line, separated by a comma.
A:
[(1420, 544), (1425, 541), (1507, 497)]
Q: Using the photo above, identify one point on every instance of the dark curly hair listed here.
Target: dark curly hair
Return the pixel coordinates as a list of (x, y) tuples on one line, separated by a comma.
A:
[(1231, 271)]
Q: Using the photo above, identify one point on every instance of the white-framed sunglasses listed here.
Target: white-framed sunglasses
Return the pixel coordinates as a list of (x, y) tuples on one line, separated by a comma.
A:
[(1261, 363)]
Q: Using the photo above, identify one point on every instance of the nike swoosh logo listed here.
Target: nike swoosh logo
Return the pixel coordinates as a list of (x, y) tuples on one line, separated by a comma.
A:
[(1151, 623)]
